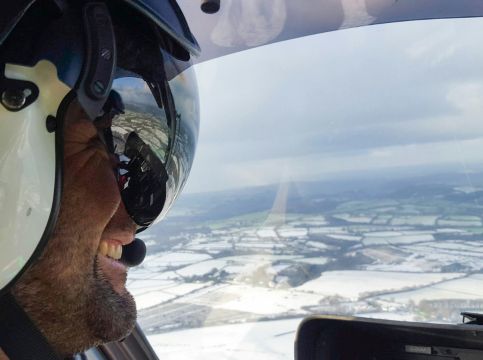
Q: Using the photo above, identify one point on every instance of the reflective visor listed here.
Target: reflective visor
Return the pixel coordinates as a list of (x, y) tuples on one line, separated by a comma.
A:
[(151, 118), (152, 128)]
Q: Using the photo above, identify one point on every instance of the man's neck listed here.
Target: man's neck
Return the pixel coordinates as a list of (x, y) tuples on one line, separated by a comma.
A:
[(3, 356)]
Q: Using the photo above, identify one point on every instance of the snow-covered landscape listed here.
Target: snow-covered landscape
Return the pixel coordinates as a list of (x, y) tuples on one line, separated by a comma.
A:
[(226, 277)]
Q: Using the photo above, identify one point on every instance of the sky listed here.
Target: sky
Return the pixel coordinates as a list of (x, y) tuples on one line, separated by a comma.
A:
[(371, 98)]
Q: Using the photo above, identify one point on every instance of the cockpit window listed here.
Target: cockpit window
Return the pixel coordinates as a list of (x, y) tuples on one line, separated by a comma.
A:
[(339, 173)]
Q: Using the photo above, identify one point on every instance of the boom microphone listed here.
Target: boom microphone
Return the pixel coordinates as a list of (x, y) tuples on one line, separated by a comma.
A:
[(133, 254), (210, 6)]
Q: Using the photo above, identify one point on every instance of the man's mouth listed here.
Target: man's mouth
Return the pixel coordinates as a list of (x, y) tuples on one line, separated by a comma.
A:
[(109, 249), (108, 255)]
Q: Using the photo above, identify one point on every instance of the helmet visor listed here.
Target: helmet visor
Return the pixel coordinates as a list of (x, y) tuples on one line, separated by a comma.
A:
[(152, 128)]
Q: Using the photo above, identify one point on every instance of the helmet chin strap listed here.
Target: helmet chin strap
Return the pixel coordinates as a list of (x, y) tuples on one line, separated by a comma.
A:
[(19, 338)]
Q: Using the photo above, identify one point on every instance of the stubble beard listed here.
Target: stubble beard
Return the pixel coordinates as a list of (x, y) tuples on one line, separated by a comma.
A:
[(68, 297), (115, 314)]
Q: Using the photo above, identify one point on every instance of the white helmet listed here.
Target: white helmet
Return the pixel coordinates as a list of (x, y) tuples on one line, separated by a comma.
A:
[(119, 57)]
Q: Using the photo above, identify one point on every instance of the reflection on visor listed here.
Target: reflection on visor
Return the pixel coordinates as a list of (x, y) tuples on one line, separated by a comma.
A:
[(143, 184), (152, 129), (137, 132)]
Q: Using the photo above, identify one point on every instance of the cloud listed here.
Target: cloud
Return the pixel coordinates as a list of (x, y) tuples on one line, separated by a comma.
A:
[(358, 98), (134, 90), (455, 155)]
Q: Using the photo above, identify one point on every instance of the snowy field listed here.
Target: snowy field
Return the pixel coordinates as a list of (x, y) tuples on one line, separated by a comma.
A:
[(355, 284), (470, 288), (227, 291), (267, 340)]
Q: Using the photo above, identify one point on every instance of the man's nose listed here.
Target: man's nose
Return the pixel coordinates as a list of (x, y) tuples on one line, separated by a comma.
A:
[(121, 220)]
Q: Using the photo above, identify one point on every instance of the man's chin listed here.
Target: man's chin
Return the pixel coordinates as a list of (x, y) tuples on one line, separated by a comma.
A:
[(113, 271), (113, 309)]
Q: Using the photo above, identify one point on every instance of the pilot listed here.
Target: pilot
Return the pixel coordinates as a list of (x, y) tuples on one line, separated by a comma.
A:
[(98, 128)]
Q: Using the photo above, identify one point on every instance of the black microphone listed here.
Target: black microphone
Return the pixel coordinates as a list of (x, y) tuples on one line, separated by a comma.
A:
[(133, 254), (210, 6)]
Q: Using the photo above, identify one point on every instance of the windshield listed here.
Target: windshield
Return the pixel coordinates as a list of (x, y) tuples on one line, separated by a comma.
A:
[(339, 173)]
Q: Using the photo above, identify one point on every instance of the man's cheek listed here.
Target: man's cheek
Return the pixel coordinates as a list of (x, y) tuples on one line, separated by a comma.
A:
[(94, 189)]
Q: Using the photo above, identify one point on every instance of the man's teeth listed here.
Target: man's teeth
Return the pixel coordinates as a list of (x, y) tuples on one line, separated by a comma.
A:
[(111, 250)]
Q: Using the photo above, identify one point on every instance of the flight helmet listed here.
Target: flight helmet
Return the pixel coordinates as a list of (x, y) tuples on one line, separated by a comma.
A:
[(123, 61)]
